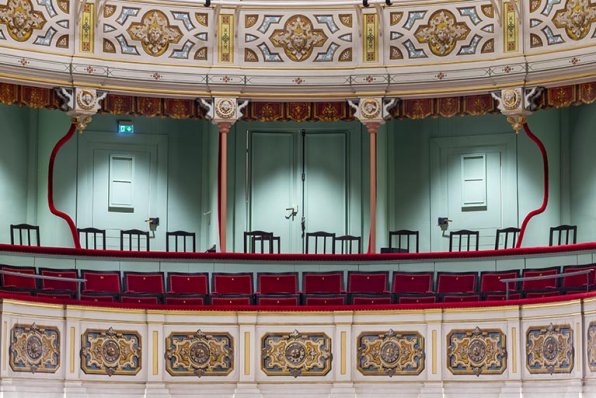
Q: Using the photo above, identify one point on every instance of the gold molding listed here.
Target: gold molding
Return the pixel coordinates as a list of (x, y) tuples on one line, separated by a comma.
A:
[(578, 353), (155, 353), (434, 354), (514, 349), (72, 349), (343, 353), (4, 346), (246, 353)]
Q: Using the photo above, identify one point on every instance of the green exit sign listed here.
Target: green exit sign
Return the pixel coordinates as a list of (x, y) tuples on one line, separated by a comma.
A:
[(126, 128)]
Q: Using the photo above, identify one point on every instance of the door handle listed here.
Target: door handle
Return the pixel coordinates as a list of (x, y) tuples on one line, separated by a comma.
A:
[(293, 213), (444, 223)]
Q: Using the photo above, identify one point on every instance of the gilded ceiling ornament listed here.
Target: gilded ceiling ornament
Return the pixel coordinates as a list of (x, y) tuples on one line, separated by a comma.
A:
[(111, 352), (534, 5), (591, 346), (346, 55), (20, 19), (370, 108), (549, 349), (346, 20), (577, 18), (298, 38), (155, 33), (511, 99), (476, 352), (225, 108), (199, 354), (296, 354), (390, 353), (442, 32), (34, 348), (86, 99)]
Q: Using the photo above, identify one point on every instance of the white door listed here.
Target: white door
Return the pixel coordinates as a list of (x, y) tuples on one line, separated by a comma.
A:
[(473, 184), (123, 183)]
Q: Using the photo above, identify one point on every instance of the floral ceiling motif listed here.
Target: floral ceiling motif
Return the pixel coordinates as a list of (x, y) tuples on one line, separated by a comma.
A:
[(442, 32), (298, 38), (21, 19), (155, 33), (577, 18)]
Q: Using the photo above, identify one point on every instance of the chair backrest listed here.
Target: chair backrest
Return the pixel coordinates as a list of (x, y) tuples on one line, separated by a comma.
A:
[(510, 237), (490, 281), (226, 283), (132, 233), (413, 282), (188, 283), (251, 237), (277, 283), (456, 282), (60, 273), (20, 228), (563, 229), (15, 281), (368, 282), (274, 240), (85, 232), (579, 280), (181, 235), (144, 282), (464, 233), (404, 234), (101, 281), (347, 243), (541, 284), (323, 282), (320, 235)]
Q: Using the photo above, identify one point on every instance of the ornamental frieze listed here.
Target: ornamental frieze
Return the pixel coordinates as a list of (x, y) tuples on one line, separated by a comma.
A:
[(298, 38), (34, 348), (549, 349), (576, 18), (476, 351), (199, 354), (390, 353), (591, 346), (111, 352), (155, 33), (442, 32), (296, 354), (21, 19)]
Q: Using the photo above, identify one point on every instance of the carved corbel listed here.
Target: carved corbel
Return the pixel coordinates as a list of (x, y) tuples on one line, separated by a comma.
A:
[(517, 103), (80, 103), (220, 109), (373, 109)]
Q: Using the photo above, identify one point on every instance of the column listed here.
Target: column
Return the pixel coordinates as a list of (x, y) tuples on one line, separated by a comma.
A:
[(224, 129), (372, 130)]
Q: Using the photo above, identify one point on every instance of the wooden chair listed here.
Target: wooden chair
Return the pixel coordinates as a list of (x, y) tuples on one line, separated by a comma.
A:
[(181, 235), (566, 229), (85, 232), (464, 233), (347, 243), (321, 235), (511, 231), (251, 237), (24, 227), (132, 233), (407, 234)]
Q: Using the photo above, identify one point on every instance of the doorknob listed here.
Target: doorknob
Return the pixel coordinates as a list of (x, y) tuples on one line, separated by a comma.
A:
[(293, 213)]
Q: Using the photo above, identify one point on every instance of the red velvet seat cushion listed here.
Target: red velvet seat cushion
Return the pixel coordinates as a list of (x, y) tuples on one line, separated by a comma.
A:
[(140, 299), (323, 282), (404, 282), (281, 283), (22, 292), (461, 298), (491, 282), (502, 296), (62, 295), (416, 299), (49, 284), (365, 300), (188, 284), (456, 283), (231, 301), (579, 280), (19, 281), (232, 283), (101, 282), (278, 300), (185, 301), (367, 282), (99, 298), (542, 283), (144, 283), (322, 300), (552, 293)]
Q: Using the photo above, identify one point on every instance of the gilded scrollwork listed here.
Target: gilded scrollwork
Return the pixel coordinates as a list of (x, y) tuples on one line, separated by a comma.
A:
[(199, 354), (298, 38), (296, 354), (577, 18), (155, 33), (476, 351), (442, 32), (591, 346), (390, 353), (34, 348), (549, 349), (21, 19), (111, 352)]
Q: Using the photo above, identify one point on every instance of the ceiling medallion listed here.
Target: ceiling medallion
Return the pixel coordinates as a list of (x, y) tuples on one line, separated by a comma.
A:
[(442, 32), (370, 108), (225, 108), (298, 38), (155, 33), (20, 19), (576, 18)]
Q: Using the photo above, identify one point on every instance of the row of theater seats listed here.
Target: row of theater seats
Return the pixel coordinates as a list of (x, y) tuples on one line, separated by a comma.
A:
[(318, 288)]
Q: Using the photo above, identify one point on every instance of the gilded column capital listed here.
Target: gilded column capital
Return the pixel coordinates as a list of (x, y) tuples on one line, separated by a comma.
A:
[(517, 103), (81, 103), (221, 110)]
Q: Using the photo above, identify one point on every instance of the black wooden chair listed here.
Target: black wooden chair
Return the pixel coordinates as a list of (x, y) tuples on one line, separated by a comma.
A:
[(463, 234), (20, 228), (321, 235), (94, 232), (563, 229), (508, 232), (252, 237), (347, 242), (134, 233), (181, 235), (404, 234)]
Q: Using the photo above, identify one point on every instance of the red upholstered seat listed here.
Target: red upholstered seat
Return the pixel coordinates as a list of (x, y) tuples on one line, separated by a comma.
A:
[(100, 298), (16, 290), (232, 283), (319, 299), (543, 293), (19, 281), (501, 296), (187, 283), (551, 283), (416, 299), (460, 298), (141, 298), (366, 299), (456, 282), (579, 280), (49, 284), (276, 283), (185, 299), (56, 294), (491, 281), (144, 282), (101, 281), (323, 282), (412, 282), (368, 282), (279, 300), (232, 300)]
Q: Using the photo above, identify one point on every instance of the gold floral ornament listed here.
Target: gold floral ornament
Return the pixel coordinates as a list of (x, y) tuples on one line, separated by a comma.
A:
[(296, 354), (390, 353), (476, 352), (155, 33), (34, 348), (20, 19), (592, 346), (111, 352), (199, 354), (577, 18), (549, 349), (298, 38), (442, 32)]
